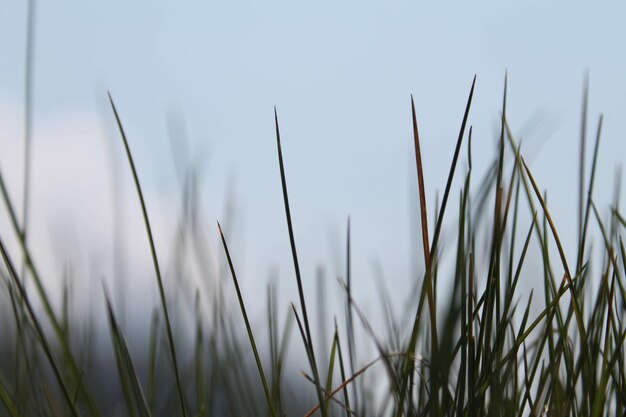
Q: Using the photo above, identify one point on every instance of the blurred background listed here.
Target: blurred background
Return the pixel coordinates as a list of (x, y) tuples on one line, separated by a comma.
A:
[(195, 84)]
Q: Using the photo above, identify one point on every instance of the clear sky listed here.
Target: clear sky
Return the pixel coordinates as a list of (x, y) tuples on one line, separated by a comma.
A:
[(341, 75)]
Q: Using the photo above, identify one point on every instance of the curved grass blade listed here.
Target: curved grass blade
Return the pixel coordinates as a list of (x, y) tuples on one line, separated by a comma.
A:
[(45, 300), (568, 276), (144, 211), (424, 219), (39, 329), (409, 363), (248, 327), (308, 343)]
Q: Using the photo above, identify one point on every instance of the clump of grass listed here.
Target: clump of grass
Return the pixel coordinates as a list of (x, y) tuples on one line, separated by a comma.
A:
[(483, 348)]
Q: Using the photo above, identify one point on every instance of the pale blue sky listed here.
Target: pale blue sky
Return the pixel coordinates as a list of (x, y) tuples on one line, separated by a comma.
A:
[(340, 74)]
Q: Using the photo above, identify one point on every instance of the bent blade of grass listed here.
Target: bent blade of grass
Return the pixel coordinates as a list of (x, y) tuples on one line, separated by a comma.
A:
[(144, 211), (424, 219), (550, 288), (555, 235), (247, 322), (128, 376), (43, 296), (308, 341), (38, 327), (433, 250)]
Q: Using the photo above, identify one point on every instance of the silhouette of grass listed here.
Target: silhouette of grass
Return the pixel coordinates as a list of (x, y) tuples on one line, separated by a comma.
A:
[(482, 347)]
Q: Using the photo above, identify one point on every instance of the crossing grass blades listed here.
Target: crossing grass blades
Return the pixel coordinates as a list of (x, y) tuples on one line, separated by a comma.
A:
[(484, 348)]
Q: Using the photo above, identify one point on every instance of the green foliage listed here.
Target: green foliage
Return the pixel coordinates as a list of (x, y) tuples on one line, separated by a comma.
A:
[(483, 348)]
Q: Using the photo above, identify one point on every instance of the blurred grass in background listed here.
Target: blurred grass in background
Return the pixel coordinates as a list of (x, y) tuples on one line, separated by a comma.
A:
[(499, 320), (470, 341)]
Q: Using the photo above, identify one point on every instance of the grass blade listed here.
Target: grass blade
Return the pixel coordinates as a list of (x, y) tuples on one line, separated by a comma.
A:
[(409, 362), (42, 337), (424, 219), (568, 276), (248, 327), (144, 211), (43, 296), (309, 345)]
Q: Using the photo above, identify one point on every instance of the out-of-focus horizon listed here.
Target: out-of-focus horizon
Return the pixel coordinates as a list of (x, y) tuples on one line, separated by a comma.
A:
[(341, 76)]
